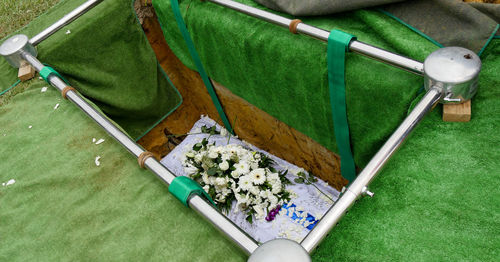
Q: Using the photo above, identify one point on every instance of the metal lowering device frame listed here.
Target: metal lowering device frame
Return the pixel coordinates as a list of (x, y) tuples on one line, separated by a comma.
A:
[(450, 76)]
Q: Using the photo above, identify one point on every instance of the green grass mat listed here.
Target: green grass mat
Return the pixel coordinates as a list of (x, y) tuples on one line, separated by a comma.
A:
[(438, 198), (63, 207), (105, 55)]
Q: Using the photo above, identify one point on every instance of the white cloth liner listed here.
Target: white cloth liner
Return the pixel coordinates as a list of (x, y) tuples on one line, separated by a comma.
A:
[(306, 199)]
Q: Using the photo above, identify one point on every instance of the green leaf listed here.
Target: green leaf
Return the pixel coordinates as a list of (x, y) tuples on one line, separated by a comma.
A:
[(197, 147), (299, 180), (211, 171), (250, 219)]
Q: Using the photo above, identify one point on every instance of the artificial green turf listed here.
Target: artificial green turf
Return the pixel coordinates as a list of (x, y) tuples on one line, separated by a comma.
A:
[(65, 208), (106, 57), (438, 198)]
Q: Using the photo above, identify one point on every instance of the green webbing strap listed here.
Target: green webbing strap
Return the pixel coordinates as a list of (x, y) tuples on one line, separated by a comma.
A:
[(182, 187), (338, 45), (47, 71), (199, 65)]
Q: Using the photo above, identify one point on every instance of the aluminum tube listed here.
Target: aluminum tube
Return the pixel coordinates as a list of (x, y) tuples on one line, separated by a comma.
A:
[(376, 53), (385, 56), (67, 19), (197, 203), (255, 12), (218, 220), (359, 185)]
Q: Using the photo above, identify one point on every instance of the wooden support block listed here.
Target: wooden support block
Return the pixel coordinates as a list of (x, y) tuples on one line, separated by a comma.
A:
[(26, 72), (457, 112)]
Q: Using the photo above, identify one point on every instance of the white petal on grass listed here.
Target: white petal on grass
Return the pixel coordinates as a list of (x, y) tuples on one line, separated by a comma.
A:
[(99, 141), (56, 106), (40, 77), (10, 182), (93, 140), (44, 89), (30, 127), (68, 32), (97, 162)]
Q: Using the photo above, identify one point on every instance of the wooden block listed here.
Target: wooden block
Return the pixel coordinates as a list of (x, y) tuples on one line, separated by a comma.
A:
[(457, 112), (26, 72)]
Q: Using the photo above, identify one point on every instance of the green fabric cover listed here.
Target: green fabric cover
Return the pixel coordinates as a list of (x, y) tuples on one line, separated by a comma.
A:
[(286, 74), (65, 208), (108, 59), (451, 23)]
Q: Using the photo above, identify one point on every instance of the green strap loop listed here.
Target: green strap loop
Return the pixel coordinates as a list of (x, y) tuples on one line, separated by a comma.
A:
[(47, 71), (338, 45), (199, 65), (182, 187)]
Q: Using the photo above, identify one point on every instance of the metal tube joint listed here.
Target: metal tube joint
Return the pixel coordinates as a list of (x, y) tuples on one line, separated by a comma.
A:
[(455, 70), (13, 48)]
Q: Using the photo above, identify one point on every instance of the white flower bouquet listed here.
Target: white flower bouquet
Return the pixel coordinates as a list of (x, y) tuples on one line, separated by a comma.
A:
[(232, 173)]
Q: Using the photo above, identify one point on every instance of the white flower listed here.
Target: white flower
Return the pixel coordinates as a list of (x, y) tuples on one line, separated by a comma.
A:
[(256, 156), (190, 154), (206, 188), (259, 209), (245, 182), (190, 170), (220, 181), (224, 166), (276, 187), (242, 168), (205, 178), (235, 174), (212, 154), (258, 176), (254, 165), (242, 201), (273, 201), (225, 156), (235, 189), (271, 177), (265, 193), (223, 131), (220, 198), (198, 157), (254, 190)]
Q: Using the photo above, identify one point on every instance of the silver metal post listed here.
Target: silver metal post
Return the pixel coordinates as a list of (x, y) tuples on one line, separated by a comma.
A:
[(376, 53), (211, 214), (70, 17), (360, 184)]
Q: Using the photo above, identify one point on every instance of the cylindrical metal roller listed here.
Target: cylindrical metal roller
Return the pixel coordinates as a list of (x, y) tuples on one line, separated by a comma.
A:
[(13, 47)]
